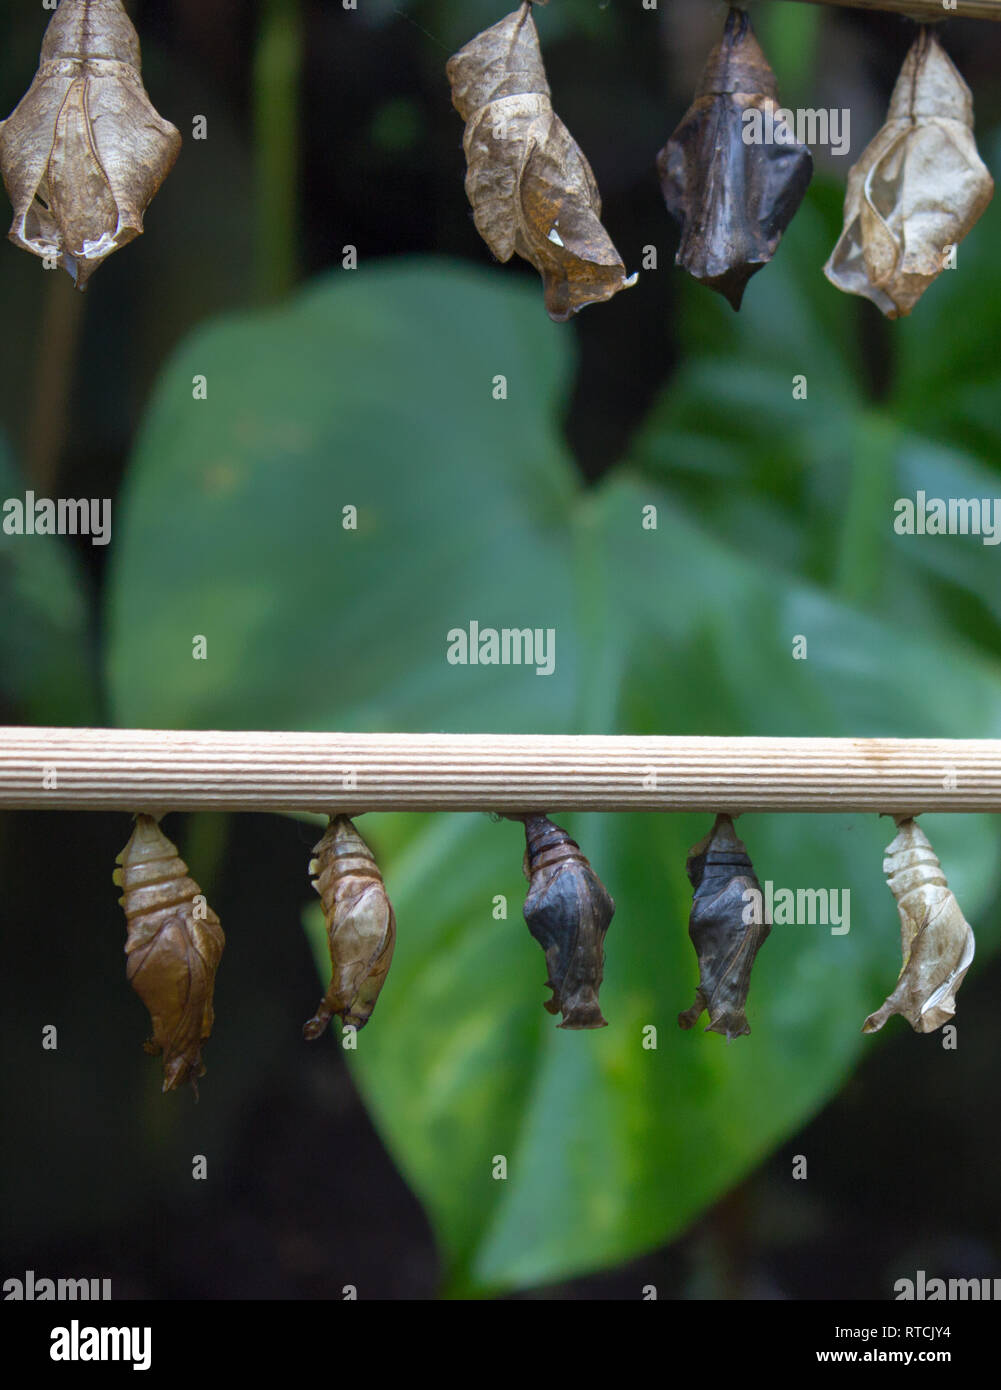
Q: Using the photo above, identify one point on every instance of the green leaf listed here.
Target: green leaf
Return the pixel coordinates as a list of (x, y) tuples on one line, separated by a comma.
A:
[(374, 388), (46, 658)]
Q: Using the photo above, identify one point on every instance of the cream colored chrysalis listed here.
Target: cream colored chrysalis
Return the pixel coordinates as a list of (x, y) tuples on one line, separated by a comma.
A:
[(361, 926), (917, 188), (936, 939)]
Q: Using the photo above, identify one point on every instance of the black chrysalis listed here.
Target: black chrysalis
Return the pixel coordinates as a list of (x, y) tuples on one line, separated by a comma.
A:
[(732, 173), (728, 927), (568, 910)]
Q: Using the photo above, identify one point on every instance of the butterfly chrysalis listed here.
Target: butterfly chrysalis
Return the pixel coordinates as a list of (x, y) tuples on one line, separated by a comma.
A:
[(568, 910), (733, 195), (917, 188), (727, 926), (361, 926), (84, 152), (174, 945), (936, 939), (531, 189)]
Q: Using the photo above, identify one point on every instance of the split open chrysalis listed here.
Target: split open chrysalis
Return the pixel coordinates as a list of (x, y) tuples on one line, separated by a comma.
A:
[(84, 152), (732, 173), (361, 926), (567, 910), (531, 189), (935, 938), (728, 926), (174, 946), (917, 188)]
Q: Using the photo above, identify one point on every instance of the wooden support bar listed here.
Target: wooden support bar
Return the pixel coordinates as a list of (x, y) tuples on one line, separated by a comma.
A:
[(162, 770)]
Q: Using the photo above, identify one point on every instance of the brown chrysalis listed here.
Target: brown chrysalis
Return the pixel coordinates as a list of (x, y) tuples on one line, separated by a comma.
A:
[(936, 939), (174, 946), (531, 189), (728, 927), (84, 152), (568, 910), (361, 926), (917, 188), (732, 173)]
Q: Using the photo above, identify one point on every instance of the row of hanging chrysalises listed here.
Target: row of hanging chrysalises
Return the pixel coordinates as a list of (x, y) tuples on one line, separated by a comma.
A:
[(175, 941), (84, 153), (916, 191)]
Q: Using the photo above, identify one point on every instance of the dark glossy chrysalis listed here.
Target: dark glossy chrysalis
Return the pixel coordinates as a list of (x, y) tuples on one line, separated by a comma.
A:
[(727, 929), (361, 926), (174, 946), (732, 173), (568, 910)]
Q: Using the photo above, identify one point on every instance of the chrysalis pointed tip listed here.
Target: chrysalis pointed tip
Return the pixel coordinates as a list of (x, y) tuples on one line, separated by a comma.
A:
[(583, 1025), (732, 284), (583, 1013), (315, 1028), (723, 1026)]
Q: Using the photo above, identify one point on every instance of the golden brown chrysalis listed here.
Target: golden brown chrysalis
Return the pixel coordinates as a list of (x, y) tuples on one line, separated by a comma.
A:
[(728, 926), (174, 945), (531, 189), (84, 152), (732, 173), (361, 926), (917, 188), (568, 910), (935, 938)]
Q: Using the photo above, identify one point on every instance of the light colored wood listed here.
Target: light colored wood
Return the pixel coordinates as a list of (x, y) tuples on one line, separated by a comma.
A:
[(926, 11), (157, 771)]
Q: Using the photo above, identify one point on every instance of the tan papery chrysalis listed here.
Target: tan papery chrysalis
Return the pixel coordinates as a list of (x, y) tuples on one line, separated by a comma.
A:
[(84, 152), (727, 925), (531, 189), (361, 926), (935, 938), (174, 946), (567, 910), (917, 189)]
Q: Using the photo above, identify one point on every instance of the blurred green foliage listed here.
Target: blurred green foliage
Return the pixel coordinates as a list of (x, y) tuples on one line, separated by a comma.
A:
[(47, 666)]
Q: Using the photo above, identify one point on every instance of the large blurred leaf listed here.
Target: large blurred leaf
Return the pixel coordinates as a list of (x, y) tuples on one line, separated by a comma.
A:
[(375, 388), (46, 660)]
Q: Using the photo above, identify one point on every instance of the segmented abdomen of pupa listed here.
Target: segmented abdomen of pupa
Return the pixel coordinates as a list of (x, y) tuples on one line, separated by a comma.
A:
[(361, 926), (936, 940), (720, 870), (173, 946), (567, 910)]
